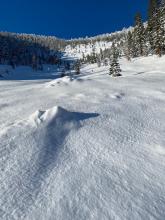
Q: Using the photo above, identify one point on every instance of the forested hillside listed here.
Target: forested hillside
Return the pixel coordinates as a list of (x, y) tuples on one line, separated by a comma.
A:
[(32, 50), (143, 39)]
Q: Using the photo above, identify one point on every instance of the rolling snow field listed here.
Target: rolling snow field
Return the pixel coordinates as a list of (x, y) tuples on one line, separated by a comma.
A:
[(83, 147)]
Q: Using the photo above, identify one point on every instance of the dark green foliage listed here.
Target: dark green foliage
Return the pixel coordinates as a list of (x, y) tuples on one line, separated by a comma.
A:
[(129, 47), (115, 69), (156, 27), (77, 67), (138, 37), (31, 50)]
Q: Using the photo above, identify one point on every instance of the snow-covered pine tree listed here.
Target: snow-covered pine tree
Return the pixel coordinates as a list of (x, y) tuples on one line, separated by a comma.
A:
[(113, 51), (101, 54), (106, 62), (83, 57), (163, 25), (98, 60), (93, 57), (115, 69), (138, 36), (34, 62), (152, 24), (159, 31), (128, 46), (77, 67)]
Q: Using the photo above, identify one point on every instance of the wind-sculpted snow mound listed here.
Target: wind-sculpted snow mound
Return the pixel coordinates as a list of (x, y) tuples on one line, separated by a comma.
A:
[(50, 115), (31, 151), (60, 81)]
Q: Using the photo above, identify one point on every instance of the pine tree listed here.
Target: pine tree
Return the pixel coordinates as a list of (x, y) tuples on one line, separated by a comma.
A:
[(34, 62), (152, 23), (128, 46), (114, 51), (101, 54), (98, 61), (153, 5), (83, 58), (77, 67), (138, 36), (163, 25), (93, 58), (115, 69), (106, 62), (159, 31)]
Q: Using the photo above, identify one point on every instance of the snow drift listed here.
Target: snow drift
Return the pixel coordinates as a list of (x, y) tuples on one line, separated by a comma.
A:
[(60, 81), (30, 150)]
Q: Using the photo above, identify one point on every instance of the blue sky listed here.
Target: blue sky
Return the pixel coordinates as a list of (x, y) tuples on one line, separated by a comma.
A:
[(69, 18)]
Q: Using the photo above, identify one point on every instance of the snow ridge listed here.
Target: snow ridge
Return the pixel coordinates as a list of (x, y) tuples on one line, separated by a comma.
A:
[(31, 152)]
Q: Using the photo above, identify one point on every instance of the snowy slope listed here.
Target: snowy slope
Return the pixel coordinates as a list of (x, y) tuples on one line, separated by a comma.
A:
[(92, 44), (88, 49), (90, 147)]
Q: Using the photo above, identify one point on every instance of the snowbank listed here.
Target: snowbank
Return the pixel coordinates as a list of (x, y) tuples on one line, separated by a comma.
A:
[(60, 81)]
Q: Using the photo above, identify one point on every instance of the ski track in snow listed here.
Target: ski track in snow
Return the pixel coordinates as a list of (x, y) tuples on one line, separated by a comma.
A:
[(99, 156)]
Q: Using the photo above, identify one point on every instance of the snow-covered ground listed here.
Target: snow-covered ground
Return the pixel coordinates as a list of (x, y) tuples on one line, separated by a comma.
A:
[(89, 147)]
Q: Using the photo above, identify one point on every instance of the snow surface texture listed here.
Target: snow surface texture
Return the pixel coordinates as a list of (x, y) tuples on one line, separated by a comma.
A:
[(101, 155)]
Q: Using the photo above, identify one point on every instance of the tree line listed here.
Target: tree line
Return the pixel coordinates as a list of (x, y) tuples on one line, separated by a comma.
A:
[(29, 49)]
